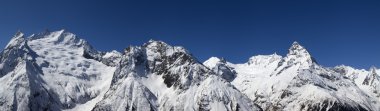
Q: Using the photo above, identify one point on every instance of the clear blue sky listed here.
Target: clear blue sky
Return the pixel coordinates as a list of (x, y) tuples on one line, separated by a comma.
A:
[(334, 31)]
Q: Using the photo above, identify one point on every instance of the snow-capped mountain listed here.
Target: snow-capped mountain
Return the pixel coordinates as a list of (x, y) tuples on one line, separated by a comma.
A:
[(51, 71), (157, 76), (57, 71), (297, 82)]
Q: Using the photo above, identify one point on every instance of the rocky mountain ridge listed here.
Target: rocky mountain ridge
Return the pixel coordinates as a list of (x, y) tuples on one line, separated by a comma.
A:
[(59, 71)]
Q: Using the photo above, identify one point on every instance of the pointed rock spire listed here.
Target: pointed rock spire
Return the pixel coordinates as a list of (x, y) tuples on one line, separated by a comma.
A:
[(298, 52), (371, 77), (151, 40), (373, 70), (155, 43), (162, 48), (16, 39), (19, 34), (297, 55), (297, 49)]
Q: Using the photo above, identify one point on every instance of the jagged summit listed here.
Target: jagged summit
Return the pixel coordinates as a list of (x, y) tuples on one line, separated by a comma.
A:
[(16, 39), (19, 34), (162, 47), (155, 44), (298, 50), (373, 70), (372, 77), (59, 37), (211, 62), (152, 40), (299, 55), (13, 53)]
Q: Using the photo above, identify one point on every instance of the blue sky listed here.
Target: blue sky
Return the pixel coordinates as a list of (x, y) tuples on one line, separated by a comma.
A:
[(334, 31)]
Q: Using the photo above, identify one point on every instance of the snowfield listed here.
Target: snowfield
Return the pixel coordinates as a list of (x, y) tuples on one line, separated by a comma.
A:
[(58, 71)]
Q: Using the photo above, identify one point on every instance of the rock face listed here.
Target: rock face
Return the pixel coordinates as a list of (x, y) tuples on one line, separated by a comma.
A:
[(54, 71), (372, 78), (372, 82), (220, 67)]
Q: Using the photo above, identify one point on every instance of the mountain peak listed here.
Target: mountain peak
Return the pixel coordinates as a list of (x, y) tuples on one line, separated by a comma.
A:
[(16, 39), (49, 34), (298, 55), (373, 70), (157, 46), (297, 49), (295, 43), (152, 40), (155, 43), (58, 37), (212, 62), (19, 34), (371, 77)]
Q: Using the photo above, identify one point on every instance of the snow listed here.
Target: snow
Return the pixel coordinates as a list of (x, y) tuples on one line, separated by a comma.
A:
[(112, 54), (252, 77), (212, 62), (219, 106), (155, 84)]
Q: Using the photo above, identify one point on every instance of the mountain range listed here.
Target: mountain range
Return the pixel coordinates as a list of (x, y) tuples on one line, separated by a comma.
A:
[(58, 71)]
